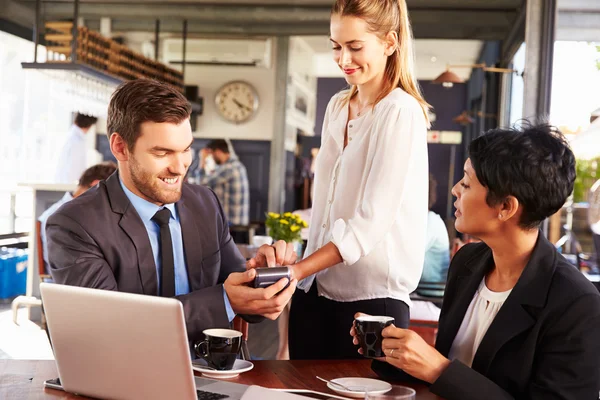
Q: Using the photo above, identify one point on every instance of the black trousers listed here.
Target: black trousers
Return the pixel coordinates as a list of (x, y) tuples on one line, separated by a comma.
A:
[(319, 328)]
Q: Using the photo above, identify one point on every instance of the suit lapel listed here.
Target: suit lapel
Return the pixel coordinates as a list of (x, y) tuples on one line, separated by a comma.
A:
[(467, 284), (513, 318), (133, 226), (192, 243), (454, 317)]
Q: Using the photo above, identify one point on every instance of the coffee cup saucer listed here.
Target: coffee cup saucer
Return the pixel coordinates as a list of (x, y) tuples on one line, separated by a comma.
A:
[(239, 366), (359, 386)]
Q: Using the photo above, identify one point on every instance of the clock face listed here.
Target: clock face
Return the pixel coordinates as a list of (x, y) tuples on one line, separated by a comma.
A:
[(237, 101)]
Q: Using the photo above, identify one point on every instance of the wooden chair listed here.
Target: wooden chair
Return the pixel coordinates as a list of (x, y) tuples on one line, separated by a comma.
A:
[(242, 326), (44, 276), (426, 329)]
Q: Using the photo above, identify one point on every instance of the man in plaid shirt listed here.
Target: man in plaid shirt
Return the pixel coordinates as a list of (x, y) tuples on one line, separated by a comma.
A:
[(229, 181)]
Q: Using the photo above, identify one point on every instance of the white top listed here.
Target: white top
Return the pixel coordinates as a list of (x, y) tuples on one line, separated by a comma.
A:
[(437, 250), (44, 219), (72, 160), (371, 199), (480, 314), (437, 233)]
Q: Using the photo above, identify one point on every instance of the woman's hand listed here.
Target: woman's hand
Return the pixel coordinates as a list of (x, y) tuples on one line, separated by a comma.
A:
[(353, 331), (408, 351), (280, 253)]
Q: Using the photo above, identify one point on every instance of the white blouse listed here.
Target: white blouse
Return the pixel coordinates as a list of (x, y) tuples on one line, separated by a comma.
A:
[(370, 199), (481, 312)]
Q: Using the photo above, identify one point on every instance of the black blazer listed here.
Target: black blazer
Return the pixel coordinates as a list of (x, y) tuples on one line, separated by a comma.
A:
[(99, 241), (544, 342)]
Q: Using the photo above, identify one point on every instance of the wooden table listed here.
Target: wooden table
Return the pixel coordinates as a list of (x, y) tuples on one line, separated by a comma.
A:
[(23, 379)]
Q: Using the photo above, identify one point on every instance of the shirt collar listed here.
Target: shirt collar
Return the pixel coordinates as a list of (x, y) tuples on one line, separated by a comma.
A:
[(67, 197), (144, 208)]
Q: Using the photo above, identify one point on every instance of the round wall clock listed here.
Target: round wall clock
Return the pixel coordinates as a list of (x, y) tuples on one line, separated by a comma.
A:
[(237, 101)]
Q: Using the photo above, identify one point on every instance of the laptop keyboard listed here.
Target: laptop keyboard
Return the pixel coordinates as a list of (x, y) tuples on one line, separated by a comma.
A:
[(202, 395)]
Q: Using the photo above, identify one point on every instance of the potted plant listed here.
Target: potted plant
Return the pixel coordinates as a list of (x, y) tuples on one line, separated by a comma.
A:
[(286, 227)]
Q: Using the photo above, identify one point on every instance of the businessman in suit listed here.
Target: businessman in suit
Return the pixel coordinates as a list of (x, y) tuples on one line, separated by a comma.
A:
[(518, 321), (144, 230)]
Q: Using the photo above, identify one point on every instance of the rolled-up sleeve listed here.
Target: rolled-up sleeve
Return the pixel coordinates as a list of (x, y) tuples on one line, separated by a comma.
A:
[(399, 148)]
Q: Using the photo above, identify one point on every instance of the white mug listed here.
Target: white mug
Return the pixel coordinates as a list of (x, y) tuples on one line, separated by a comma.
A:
[(258, 240)]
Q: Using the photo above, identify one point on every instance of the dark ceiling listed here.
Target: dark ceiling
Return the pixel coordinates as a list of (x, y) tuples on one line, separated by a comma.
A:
[(434, 19)]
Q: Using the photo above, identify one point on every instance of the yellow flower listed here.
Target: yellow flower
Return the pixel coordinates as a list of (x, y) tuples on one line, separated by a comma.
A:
[(287, 214), (283, 222), (294, 228), (304, 224), (274, 215)]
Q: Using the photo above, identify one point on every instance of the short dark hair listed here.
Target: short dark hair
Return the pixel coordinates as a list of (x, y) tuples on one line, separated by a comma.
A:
[(532, 163), (432, 191), (98, 172), (144, 100), (218, 144), (85, 121)]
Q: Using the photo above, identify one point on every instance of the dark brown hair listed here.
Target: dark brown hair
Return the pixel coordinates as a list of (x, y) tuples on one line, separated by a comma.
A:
[(144, 100), (218, 144), (85, 121), (98, 172)]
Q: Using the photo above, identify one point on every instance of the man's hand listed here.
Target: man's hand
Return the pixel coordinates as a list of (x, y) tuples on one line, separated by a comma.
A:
[(267, 302), (280, 253)]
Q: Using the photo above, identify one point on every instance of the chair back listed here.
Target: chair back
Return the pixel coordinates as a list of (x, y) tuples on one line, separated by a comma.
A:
[(242, 326), (426, 329)]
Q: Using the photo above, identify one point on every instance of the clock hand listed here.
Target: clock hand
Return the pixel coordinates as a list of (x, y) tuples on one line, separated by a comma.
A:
[(240, 105)]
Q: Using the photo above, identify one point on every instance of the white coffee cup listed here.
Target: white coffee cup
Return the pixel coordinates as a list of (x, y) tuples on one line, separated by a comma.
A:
[(259, 240)]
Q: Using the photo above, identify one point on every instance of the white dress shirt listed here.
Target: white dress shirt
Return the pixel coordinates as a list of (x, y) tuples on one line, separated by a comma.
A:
[(481, 312), (370, 199), (72, 160)]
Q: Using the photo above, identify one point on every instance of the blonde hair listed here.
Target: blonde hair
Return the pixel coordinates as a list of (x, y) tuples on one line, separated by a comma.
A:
[(384, 16)]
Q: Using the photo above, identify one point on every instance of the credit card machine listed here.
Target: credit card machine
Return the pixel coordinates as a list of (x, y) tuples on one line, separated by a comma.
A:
[(267, 276)]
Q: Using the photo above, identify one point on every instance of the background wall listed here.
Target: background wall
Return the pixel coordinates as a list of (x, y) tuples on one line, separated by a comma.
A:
[(447, 103), (210, 78)]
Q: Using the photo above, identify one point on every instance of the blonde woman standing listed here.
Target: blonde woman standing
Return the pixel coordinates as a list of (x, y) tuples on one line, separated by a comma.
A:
[(367, 232)]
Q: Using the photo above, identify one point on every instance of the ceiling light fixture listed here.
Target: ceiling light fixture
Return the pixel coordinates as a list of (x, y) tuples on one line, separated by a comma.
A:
[(449, 78)]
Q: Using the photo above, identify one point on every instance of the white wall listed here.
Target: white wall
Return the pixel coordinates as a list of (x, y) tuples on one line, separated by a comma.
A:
[(210, 78)]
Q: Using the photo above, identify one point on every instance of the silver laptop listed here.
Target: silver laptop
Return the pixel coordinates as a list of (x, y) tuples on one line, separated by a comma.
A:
[(113, 345)]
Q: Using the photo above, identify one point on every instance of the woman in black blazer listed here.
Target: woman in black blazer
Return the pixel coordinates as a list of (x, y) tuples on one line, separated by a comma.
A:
[(518, 321)]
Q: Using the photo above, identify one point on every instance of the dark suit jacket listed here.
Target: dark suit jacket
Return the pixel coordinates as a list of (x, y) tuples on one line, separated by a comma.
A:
[(99, 241), (544, 342)]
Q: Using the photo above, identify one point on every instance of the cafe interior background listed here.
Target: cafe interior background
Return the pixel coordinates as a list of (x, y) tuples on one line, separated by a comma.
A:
[(480, 64)]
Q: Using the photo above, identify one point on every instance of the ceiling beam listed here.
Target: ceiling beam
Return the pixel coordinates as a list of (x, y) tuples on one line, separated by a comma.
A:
[(279, 20), (514, 38), (578, 26), (200, 13), (209, 29), (283, 20), (17, 13)]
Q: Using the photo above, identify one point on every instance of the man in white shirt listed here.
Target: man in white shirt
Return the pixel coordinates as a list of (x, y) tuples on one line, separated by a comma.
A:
[(88, 179), (72, 160)]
